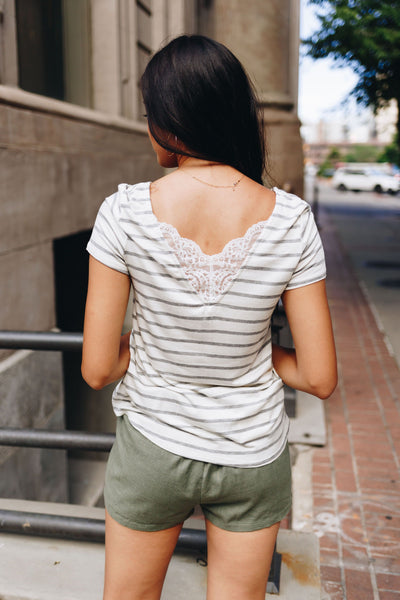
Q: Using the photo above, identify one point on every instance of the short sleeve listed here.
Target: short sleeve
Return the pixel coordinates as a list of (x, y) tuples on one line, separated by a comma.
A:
[(108, 238), (311, 266)]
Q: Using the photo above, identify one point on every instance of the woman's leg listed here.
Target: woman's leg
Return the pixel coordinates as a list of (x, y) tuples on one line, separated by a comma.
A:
[(239, 562), (136, 561)]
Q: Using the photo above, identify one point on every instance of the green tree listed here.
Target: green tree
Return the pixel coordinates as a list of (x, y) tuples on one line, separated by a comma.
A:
[(365, 35), (391, 153), (334, 154), (330, 161), (363, 153)]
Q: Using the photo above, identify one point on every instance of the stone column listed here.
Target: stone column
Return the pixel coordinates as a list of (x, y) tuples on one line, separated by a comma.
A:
[(265, 37)]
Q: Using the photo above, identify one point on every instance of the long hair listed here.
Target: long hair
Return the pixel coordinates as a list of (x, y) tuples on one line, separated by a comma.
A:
[(197, 90)]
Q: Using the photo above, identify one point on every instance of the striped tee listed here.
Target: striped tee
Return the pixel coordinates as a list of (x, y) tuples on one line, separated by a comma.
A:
[(200, 382)]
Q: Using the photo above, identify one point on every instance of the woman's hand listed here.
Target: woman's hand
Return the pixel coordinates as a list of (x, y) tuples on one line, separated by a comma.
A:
[(311, 366), (105, 354)]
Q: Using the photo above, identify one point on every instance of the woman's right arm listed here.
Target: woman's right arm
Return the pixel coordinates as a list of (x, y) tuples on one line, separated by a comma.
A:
[(105, 354)]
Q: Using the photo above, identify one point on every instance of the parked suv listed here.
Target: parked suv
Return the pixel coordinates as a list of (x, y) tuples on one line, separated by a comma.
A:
[(366, 179)]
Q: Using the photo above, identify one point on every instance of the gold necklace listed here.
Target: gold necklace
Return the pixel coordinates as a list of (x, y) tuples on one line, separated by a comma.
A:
[(232, 185)]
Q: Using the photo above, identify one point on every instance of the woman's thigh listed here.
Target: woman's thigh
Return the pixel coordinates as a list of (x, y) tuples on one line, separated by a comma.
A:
[(136, 561), (239, 562)]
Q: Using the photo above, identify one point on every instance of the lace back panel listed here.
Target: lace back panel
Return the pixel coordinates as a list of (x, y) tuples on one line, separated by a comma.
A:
[(210, 275)]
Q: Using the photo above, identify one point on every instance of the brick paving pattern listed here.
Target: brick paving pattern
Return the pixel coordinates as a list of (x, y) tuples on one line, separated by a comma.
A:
[(356, 483)]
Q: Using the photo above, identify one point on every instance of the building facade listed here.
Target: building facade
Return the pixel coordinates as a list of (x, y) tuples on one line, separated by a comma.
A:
[(71, 129)]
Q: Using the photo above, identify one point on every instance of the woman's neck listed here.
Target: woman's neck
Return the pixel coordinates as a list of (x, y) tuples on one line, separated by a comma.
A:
[(192, 162), (213, 174)]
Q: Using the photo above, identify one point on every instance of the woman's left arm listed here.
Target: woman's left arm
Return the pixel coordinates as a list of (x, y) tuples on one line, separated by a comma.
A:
[(105, 354), (311, 365)]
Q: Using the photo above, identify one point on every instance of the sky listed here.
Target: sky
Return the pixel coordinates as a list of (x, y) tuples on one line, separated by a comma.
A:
[(323, 89), (322, 85)]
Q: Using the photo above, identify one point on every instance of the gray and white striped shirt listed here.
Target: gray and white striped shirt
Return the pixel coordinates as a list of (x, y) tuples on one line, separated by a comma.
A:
[(200, 381)]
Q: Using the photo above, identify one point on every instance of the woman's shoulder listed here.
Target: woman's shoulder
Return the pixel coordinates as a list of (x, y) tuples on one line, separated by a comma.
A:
[(131, 191), (127, 194), (126, 200), (290, 203), (289, 199)]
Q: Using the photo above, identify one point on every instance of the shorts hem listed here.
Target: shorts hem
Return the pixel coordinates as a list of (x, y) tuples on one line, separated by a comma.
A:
[(250, 526), (137, 526)]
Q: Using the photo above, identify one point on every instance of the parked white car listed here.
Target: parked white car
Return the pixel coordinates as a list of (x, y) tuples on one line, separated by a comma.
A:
[(365, 179)]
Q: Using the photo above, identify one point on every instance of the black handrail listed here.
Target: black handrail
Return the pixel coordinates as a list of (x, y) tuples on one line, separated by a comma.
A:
[(57, 440), (41, 340), (80, 529)]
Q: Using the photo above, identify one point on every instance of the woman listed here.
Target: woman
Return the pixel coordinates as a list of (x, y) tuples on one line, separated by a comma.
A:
[(209, 251)]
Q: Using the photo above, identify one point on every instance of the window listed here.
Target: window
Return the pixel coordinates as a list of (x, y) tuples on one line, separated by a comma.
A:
[(136, 47), (53, 48), (40, 47)]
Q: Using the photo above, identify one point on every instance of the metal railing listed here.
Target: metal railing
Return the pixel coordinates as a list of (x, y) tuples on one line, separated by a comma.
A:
[(41, 340), (68, 527), (56, 440)]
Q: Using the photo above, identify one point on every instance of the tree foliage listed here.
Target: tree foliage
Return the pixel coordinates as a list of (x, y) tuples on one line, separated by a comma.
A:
[(357, 153), (391, 153), (363, 153), (365, 35)]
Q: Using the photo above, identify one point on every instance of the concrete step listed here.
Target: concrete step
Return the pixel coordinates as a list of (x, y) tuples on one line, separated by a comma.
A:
[(44, 569), (308, 426)]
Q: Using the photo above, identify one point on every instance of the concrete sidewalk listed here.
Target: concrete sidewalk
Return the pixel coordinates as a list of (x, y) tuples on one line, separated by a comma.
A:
[(355, 476)]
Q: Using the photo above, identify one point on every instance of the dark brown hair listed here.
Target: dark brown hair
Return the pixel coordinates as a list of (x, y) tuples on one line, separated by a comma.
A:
[(197, 90)]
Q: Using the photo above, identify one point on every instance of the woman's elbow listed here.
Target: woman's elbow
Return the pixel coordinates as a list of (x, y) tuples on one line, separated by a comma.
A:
[(95, 384), (94, 379), (324, 387)]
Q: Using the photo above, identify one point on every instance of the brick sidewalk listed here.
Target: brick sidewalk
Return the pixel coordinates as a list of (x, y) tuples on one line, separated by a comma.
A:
[(356, 484)]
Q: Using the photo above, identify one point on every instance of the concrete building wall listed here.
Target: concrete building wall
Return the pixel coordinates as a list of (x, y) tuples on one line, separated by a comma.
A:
[(32, 396)]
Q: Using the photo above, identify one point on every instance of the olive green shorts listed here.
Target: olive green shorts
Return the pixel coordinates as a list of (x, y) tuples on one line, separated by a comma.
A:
[(149, 489)]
